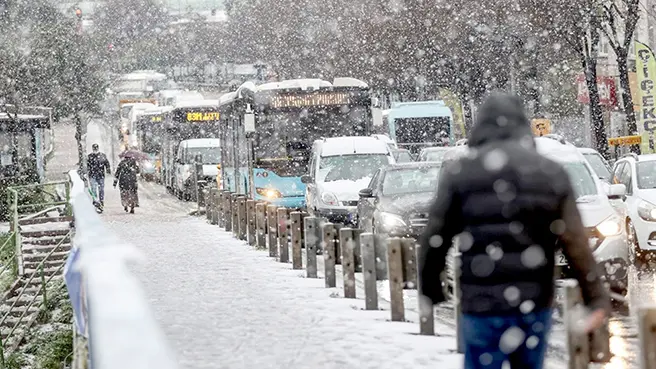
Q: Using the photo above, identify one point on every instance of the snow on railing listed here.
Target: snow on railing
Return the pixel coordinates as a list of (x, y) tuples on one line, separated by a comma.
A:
[(121, 326)]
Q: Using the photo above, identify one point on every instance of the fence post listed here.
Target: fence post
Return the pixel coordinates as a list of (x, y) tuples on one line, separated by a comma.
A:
[(296, 218), (234, 204), (272, 230), (227, 211), (647, 336), (357, 249), (215, 207), (367, 244), (312, 241), (426, 318), (243, 222), (328, 242), (600, 344), (577, 340), (208, 206), (347, 246), (283, 231), (457, 306), (221, 209), (380, 245), (250, 216), (395, 270), (260, 222), (409, 257)]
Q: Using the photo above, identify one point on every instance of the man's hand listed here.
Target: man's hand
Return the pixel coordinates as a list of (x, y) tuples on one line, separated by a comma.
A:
[(595, 320)]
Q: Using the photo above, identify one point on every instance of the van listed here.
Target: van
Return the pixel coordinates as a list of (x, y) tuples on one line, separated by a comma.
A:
[(185, 160), (339, 167)]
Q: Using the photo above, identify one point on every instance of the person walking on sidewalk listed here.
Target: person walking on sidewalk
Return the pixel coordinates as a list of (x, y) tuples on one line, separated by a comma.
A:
[(508, 207), (126, 178), (97, 165)]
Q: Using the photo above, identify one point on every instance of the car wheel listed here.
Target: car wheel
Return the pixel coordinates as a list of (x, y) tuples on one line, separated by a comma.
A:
[(634, 248)]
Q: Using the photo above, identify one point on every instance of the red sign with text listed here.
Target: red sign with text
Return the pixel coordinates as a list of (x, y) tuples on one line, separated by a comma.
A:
[(606, 87)]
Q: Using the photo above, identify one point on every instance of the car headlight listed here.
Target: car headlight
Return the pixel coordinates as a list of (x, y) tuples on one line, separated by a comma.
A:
[(329, 198), (269, 193), (391, 221), (612, 226), (647, 211)]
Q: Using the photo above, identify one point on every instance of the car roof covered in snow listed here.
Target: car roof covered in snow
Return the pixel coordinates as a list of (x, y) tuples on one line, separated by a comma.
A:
[(201, 142), (349, 145)]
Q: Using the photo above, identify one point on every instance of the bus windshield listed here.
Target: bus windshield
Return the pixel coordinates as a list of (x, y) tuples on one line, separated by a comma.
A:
[(435, 130), (284, 138), (210, 155)]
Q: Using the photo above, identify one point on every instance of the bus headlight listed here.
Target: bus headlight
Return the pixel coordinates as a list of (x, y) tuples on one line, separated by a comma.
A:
[(269, 193), (329, 198), (612, 226)]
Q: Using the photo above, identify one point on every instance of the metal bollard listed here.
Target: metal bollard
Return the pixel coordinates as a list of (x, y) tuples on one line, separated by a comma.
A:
[(457, 307), (296, 218), (208, 205), (260, 223), (214, 198), (227, 211), (347, 243), (221, 209), (409, 256), (577, 342), (329, 240), (647, 337), (380, 245), (250, 216), (283, 231), (312, 240), (241, 215), (367, 244), (426, 313), (234, 210), (272, 230), (395, 270)]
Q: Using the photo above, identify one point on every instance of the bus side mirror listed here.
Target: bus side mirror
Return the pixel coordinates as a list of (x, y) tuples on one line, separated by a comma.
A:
[(249, 122)]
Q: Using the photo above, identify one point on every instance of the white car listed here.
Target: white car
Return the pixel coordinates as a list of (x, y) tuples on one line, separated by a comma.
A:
[(605, 225), (339, 168), (638, 174), (597, 162)]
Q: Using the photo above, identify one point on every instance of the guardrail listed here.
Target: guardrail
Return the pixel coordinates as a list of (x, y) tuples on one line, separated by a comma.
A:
[(281, 230), (122, 331)]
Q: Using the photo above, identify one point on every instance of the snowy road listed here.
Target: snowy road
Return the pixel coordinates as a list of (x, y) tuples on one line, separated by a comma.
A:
[(224, 305)]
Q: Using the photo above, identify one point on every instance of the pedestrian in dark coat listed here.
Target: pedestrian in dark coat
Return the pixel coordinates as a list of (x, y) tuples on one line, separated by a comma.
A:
[(126, 178), (97, 165), (508, 207)]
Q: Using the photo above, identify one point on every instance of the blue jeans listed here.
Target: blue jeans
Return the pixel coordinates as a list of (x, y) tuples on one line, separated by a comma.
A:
[(523, 345), (98, 188)]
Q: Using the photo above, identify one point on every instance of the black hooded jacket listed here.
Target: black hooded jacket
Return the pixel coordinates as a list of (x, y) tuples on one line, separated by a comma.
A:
[(508, 206)]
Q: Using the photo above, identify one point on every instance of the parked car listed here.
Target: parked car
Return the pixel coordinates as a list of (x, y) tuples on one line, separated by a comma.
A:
[(402, 156), (638, 174), (338, 168), (396, 201), (607, 230), (209, 149), (597, 162), (435, 154)]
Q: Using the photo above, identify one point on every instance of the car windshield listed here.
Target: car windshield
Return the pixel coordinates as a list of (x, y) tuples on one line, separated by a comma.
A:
[(434, 155), (581, 179), (350, 167), (211, 155), (403, 157), (597, 163), (646, 173), (410, 180)]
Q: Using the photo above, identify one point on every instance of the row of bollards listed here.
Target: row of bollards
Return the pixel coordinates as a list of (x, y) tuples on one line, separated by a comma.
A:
[(285, 232)]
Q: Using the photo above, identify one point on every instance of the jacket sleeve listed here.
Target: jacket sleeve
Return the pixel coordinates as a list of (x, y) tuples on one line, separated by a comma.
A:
[(107, 165), (444, 223), (577, 250), (117, 175)]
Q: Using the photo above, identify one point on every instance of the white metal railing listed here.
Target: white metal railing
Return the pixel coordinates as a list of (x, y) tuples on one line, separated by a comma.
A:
[(121, 328)]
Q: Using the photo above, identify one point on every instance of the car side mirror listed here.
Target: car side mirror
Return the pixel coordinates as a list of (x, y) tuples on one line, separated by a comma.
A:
[(616, 191), (306, 178), (366, 192)]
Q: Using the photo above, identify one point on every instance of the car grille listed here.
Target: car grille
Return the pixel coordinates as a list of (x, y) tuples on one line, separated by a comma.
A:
[(418, 220), (349, 203)]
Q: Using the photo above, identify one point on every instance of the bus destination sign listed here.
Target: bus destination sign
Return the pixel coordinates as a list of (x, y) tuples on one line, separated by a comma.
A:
[(315, 99), (156, 118), (202, 116)]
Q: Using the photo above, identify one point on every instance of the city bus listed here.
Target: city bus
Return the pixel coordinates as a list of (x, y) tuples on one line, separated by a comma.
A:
[(269, 129), (149, 134), (415, 125), (187, 120)]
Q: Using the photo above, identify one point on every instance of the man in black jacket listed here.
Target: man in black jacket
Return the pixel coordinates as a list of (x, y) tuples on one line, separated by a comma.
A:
[(509, 208), (97, 164)]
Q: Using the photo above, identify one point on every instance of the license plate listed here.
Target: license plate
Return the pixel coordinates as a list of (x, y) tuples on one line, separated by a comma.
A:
[(560, 258)]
